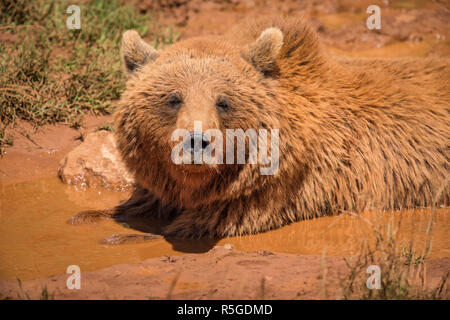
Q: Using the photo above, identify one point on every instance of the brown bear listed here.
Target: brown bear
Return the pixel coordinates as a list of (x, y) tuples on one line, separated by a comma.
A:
[(354, 134)]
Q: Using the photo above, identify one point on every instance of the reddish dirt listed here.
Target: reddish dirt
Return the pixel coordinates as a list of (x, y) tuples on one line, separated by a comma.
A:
[(36, 153), (340, 24), (222, 273)]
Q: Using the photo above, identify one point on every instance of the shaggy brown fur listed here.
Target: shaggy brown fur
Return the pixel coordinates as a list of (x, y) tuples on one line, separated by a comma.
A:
[(354, 134)]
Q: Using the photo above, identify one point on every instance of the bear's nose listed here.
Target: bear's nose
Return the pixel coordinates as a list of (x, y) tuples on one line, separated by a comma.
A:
[(196, 141)]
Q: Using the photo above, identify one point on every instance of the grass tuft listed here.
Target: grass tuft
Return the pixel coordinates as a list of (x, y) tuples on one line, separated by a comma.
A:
[(403, 269), (50, 74), (107, 126)]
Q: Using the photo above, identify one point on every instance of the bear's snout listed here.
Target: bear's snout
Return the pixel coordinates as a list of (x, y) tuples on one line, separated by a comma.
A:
[(196, 141)]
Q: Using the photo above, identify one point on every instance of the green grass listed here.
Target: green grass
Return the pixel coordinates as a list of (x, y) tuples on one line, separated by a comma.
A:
[(107, 126), (50, 74)]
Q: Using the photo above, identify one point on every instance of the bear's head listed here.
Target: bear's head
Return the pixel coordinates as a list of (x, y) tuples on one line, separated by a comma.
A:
[(195, 85)]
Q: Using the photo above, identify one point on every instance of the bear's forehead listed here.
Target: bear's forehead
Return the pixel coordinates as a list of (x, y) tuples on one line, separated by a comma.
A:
[(203, 47), (212, 63), (184, 68)]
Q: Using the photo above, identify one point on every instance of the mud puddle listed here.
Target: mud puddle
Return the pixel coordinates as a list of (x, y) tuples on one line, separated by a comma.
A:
[(36, 241)]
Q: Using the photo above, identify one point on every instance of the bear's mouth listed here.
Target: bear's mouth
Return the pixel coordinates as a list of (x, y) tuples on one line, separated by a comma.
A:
[(192, 174)]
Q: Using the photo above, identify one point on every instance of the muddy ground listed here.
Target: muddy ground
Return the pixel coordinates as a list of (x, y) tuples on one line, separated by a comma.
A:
[(221, 273), (409, 28)]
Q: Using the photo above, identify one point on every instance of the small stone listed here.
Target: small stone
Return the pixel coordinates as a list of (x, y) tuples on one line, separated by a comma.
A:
[(96, 163), (228, 246)]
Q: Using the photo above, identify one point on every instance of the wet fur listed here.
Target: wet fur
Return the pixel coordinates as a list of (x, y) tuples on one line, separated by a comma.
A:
[(355, 134)]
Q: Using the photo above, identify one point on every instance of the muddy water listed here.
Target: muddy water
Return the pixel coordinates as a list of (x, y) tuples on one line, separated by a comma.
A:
[(36, 241)]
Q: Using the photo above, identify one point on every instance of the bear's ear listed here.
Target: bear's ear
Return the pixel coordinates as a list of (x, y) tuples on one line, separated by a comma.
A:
[(136, 52), (264, 51)]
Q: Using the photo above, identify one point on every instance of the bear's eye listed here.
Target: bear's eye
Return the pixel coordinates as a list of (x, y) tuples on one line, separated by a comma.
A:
[(174, 100), (223, 103)]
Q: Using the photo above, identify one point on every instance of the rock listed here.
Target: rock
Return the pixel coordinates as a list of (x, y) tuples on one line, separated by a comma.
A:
[(96, 163), (228, 246)]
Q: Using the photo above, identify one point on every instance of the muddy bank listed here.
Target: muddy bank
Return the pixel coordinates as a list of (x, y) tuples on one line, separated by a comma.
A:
[(340, 24), (286, 263), (222, 273)]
